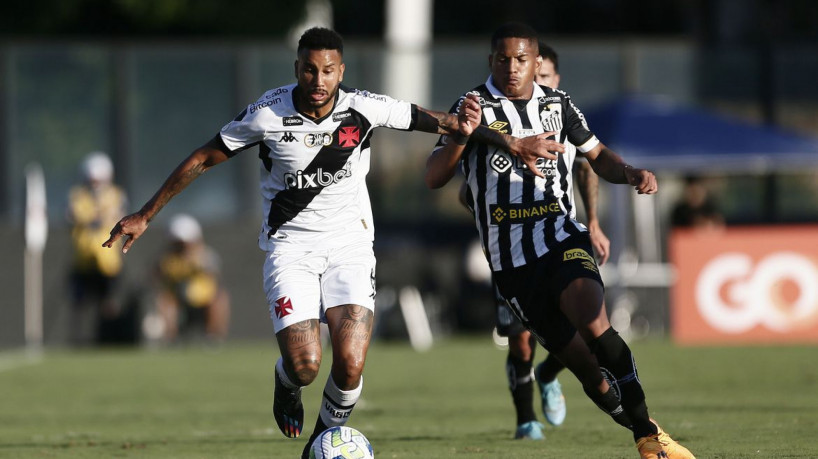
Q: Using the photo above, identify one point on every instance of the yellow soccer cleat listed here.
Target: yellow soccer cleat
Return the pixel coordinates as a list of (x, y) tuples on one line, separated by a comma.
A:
[(673, 449), (650, 448)]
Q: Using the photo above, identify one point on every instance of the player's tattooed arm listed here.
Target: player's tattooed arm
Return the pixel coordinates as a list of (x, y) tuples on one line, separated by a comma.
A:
[(528, 149), (131, 227), (435, 122), (614, 169)]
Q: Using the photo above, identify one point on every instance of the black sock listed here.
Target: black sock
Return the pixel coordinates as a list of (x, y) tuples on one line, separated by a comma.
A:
[(521, 383), (549, 369), (619, 368), (319, 427), (610, 404)]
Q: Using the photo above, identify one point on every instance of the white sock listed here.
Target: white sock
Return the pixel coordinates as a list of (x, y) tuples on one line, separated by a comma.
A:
[(337, 404), (283, 375)]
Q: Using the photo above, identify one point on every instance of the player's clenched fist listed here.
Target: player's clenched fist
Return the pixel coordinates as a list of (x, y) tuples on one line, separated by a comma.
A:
[(469, 114), (642, 179)]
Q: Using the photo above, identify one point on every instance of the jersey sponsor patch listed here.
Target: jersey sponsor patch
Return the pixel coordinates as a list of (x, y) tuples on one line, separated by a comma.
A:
[(340, 116), (292, 121), (318, 139), (523, 212), (579, 254), (302, 180), (500, 162)]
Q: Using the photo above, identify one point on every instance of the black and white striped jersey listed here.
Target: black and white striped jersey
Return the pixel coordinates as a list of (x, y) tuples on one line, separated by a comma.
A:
[(313, 171), (520, 216)]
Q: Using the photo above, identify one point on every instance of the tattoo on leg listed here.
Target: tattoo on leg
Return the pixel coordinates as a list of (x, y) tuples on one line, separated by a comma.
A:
[(302, 334), (356, 324)]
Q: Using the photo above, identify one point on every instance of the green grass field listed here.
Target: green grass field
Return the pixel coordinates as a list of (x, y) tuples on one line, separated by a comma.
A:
[(451, 402)]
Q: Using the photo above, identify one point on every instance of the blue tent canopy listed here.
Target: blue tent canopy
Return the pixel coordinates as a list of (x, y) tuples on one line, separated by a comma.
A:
[(657, 134)]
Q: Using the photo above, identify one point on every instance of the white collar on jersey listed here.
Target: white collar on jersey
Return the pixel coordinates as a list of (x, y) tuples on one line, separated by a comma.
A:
[(538, 92)]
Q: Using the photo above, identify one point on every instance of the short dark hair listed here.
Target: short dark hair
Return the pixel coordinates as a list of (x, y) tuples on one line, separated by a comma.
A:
[(513, 30), (547, 52), (321, 38)]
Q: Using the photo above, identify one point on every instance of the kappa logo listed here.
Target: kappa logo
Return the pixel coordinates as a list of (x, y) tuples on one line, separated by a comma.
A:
[(349, 136), (320, 139), (283, 307), (288, 137), (500, 163), (499, 126)]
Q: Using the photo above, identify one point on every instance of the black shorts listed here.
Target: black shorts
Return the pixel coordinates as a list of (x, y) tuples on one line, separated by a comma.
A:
[(533, 290)]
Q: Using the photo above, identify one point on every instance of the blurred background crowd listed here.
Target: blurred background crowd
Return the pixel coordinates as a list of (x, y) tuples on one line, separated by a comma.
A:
[(718, 97)]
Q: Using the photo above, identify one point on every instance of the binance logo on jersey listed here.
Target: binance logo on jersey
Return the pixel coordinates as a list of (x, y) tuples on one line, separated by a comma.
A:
[(499, 126), (320, 179), (498, 214), (524, 212)]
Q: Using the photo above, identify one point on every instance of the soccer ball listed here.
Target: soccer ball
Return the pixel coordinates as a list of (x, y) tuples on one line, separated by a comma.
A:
[(341, 442)]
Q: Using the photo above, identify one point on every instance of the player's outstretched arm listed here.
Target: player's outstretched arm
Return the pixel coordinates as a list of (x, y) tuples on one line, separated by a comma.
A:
[(528, 149), (614, 169), (589, 191), (131, 227)]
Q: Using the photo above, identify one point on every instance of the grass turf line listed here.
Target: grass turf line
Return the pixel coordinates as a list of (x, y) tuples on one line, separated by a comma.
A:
[(451, 402)]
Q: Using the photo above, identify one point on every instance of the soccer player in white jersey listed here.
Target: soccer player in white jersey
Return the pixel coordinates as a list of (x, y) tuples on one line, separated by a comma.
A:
[(313, 138), (541, 257)]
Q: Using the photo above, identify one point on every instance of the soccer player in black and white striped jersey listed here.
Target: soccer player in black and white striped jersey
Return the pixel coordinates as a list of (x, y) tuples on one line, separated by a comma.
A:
[(313, 138), (541, 257)]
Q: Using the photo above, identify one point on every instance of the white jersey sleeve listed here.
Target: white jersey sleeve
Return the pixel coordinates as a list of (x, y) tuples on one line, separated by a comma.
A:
[(249, 127), (382, 110)]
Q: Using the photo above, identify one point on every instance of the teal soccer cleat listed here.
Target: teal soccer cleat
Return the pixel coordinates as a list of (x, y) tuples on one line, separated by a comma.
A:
[(553, 402), (531, 430)]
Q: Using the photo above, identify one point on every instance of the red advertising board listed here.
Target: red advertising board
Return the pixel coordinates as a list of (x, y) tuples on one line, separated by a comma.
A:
[(745, 285)]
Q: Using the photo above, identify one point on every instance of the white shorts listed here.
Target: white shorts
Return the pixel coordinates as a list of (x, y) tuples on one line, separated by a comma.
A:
[(303, 285)]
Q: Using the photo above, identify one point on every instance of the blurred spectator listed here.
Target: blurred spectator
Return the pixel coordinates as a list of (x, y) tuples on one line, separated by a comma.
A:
[(696, 208), (191, 299), (93, 206)]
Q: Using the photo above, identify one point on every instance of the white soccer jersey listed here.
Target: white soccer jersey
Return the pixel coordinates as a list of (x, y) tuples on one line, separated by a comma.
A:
[(520, 216), (313, 171)]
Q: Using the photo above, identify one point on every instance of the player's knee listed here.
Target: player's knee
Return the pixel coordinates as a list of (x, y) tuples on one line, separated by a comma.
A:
[(347, 372), (520, 346), (305, 371)]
